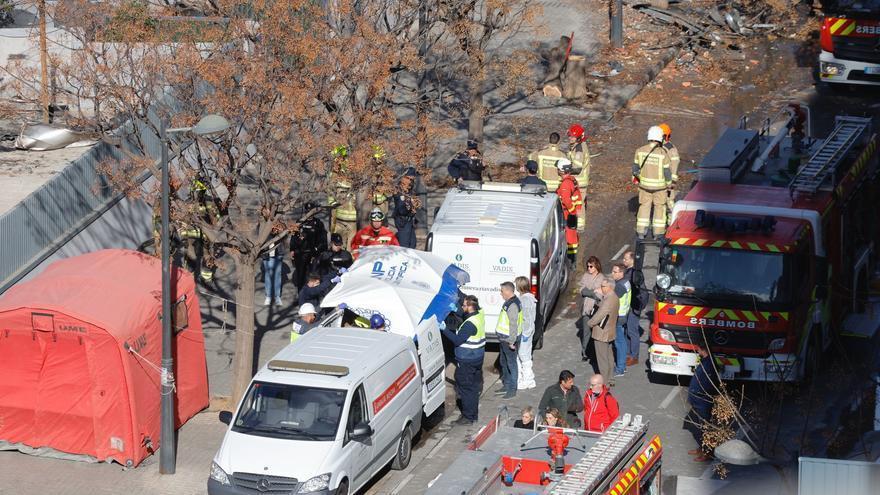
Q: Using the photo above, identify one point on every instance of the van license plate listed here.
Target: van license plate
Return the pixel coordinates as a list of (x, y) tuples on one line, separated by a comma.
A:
[(872, 70)]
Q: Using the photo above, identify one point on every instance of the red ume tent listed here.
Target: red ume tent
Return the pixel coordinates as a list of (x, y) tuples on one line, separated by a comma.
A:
[(79, 349)]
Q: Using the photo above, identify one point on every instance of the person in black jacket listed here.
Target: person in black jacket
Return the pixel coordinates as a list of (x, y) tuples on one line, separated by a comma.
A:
[(638, 302), (305, 246), (333, 259), (532, 177), (315, 289), (406, 205), (467, 165)]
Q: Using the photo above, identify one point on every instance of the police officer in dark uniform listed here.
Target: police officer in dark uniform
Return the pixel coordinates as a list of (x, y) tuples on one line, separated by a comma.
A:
[(532, 177), (331, 260), (467, 165), (406, 205), (305, 246)]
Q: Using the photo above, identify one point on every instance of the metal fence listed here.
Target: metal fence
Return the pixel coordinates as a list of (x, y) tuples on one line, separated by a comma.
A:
[(56, 212)]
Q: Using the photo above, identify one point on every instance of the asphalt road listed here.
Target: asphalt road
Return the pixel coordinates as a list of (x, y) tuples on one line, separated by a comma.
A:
[(698, 113)]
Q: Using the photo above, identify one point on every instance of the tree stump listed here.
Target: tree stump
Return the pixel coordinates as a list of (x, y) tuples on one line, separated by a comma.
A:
[(574, 78)]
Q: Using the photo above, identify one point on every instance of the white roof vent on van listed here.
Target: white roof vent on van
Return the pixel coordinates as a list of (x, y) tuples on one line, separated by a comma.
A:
[(313, 368), (491, 213), (472, 185)]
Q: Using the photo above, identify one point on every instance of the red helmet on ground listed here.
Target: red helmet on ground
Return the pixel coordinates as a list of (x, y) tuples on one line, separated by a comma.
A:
[(576, 130)]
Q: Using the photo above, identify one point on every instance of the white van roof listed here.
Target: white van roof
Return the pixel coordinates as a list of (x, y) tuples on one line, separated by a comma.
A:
[(358, 350), (495, 210)]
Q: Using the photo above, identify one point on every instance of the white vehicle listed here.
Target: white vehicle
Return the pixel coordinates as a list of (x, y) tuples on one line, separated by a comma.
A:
[(323, 416), (412, 290), (497, 232)]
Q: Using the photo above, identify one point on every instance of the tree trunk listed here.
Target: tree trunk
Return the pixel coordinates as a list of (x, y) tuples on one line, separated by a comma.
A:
[(476, 111), (243, 362)]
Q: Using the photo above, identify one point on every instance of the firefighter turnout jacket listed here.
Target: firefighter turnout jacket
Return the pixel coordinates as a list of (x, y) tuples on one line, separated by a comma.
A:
[(547, 171), (652, 167), (368, 236)]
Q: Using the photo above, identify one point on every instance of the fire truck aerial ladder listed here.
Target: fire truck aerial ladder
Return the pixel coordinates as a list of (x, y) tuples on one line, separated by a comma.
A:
[(556, 461), (767, 264)]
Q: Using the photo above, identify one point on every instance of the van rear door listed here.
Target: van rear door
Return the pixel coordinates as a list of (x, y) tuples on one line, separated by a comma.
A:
[(503, 261), (433, 365)]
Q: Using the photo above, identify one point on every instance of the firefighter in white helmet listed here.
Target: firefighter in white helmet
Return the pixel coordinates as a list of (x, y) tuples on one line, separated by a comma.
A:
[(651, 171)]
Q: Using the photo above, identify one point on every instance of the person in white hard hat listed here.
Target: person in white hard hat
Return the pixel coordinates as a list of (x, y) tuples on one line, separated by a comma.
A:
[(651, 171), (308, 319)]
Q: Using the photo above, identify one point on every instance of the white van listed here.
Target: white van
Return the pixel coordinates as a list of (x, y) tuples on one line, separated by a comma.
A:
[(497, 232), (429, 347), (323, 416)]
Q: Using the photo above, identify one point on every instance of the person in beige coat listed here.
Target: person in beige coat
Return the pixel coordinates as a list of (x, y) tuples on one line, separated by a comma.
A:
[(591, 292), (603, 325)]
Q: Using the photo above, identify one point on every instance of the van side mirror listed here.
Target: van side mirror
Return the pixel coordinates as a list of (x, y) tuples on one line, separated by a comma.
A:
[(225, 417), (360, 432)]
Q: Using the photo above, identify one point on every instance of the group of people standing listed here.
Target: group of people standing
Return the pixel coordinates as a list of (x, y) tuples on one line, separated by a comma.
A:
[(612, 306), (516, 329), (316, 263)]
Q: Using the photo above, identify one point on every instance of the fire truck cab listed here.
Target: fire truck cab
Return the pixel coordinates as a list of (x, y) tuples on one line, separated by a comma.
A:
[(769, 254), (850, 42)]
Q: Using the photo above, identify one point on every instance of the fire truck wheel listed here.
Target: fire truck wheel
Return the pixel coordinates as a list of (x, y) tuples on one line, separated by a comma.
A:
[(404, 450)]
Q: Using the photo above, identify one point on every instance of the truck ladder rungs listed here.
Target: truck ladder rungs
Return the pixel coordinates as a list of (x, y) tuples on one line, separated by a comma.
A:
[(597, 464), (847, 132)]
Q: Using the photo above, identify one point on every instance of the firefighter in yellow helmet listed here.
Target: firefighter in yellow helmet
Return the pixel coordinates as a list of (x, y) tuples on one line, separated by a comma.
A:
[(547, 158), (343, 220), (673, 167), (378, 196), (651, 171)]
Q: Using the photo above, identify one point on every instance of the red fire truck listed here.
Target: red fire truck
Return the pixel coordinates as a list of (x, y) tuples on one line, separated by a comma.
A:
[(850, 42), (770, 254)]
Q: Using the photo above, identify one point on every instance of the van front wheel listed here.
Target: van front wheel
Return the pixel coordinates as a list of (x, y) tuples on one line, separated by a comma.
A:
[(342, 489), (404, 451)]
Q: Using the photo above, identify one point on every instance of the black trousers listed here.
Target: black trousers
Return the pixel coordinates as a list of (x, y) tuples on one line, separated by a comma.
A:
[(468, 385)]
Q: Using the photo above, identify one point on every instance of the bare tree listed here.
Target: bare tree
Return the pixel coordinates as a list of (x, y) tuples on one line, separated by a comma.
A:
[(295, 79)]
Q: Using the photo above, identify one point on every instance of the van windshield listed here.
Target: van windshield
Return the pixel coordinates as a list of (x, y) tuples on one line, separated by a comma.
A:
[(290, 411)]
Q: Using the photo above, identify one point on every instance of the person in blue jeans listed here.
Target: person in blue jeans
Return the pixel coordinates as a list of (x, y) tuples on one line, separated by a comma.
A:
[(623, 291), (273, 263)]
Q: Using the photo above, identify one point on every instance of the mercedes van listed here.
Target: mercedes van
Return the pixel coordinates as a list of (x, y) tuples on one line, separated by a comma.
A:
[(323, 416), (497, 232)]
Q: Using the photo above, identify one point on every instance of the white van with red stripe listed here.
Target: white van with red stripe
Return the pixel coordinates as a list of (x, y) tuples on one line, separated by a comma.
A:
[(323, 416), (498, 231)]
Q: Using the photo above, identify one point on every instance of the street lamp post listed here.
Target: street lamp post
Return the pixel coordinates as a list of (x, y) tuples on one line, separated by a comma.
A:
[(209, 124)]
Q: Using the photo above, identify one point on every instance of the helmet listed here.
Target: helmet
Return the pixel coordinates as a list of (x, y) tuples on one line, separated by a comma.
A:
[(564, 164), (655, 133), (667, 131), (307, 309), (309, 206), (376, 214), (576, 130), (376, 321), (378, 152)]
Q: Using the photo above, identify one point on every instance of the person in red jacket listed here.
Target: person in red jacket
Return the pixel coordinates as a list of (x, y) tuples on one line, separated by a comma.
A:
[(600, 407), (572, 202), (374, 234)]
